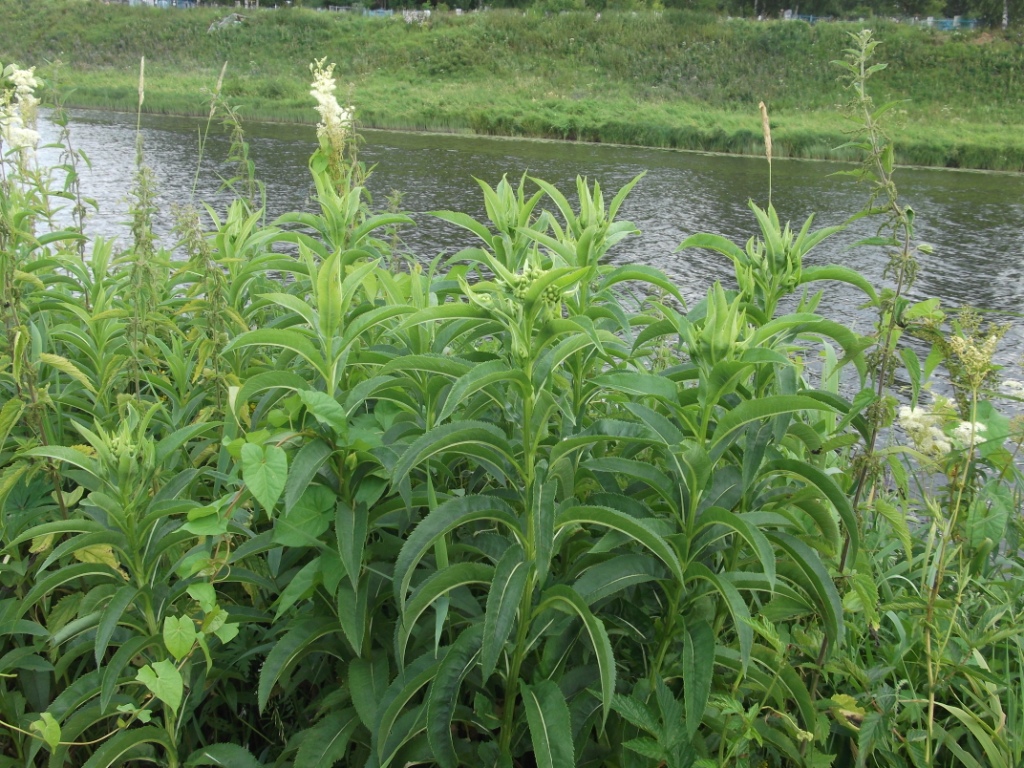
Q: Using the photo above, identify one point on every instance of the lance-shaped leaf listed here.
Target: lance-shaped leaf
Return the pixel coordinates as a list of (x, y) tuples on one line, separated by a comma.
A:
[(114, 750), (733, 601), (503, 598), (635, 529), (830, 490), (481, 377), (567, 599), (224, 756), (468, 438), (295, 641), (396, 697), (746, 531), (433, 587), (282, 338), (444, 694), (367, 681), (816, 581), (110, 618), (550, 730), (323, 745), (698, 669), (762, 408), (446, 518)]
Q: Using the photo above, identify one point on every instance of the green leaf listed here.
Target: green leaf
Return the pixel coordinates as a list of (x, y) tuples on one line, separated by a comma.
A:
[(436, 585), (751, 534), (265, 472), (298, 585), (510, 576), (284, 338), (326, 410), (443, 696), (698, 670), (630, 526), (179, 636), (111, 676), (898, 521), (840, 274), (763, 408), (447, 517), (123, 744), (9, 415), (612, 576), (203, 593), (305, 466), (350, 526), (48, 729), (831, 491), (639, 384), (269, 380), (164, 681), (300, 635), (460, 437), (548, 717), (368, 680), (223, 755), (327, 742), (478, 378), (399, 693), (562, 597), (818, 582), (111, 617), (644, 274), (309, 518)]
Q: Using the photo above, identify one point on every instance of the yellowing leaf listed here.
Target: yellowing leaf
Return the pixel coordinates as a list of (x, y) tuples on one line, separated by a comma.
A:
[(65, 366), (100, 553), (41, 543)]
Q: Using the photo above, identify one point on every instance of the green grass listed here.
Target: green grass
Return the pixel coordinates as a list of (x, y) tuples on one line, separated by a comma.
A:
[(668, 80)]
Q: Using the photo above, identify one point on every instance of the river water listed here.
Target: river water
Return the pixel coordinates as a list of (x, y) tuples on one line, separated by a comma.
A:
[(975, 221)]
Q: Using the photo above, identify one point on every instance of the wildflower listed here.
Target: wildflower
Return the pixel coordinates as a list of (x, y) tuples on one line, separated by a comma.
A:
[(335, 120), (923, 428), (18, 113), (1013, 388), (969, 433)]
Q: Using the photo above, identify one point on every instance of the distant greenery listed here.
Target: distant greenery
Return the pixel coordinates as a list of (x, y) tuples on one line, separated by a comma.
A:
[(669, 79)]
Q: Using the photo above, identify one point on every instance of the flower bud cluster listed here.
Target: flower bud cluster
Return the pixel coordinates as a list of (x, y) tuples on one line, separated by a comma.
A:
[(520, 284)]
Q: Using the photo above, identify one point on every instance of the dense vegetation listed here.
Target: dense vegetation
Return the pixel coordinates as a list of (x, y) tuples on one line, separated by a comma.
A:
[(671, 79), (290, 497)]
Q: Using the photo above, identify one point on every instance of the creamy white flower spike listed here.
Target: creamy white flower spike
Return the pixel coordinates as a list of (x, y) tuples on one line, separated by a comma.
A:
[(335, 120), (18, 115)]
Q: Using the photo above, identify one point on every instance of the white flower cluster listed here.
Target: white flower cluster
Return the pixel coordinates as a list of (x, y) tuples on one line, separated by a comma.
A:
[(1013, 388), (18, 112), (923, 428), (335, 120), (968, 434)]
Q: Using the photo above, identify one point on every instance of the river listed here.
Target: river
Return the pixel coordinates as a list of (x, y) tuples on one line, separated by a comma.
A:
[(975, 221)]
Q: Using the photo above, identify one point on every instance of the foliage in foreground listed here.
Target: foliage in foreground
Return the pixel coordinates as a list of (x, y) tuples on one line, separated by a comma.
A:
[(301, 500)]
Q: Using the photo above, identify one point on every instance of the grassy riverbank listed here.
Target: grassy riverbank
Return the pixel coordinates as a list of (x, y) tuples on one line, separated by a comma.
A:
[(672, 79)]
